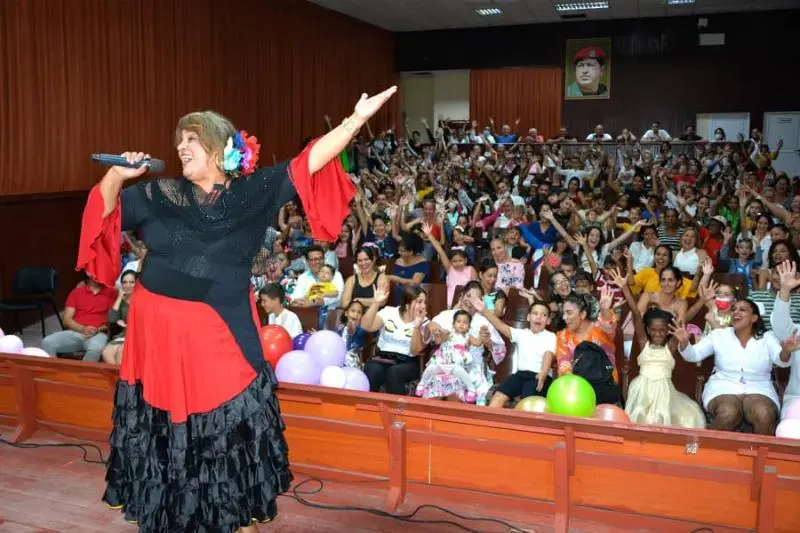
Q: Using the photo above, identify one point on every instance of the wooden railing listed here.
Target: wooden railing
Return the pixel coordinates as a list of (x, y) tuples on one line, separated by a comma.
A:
[(649, 477)]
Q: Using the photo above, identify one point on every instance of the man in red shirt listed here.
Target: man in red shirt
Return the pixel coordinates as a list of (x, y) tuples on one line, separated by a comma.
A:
[(85, 320)]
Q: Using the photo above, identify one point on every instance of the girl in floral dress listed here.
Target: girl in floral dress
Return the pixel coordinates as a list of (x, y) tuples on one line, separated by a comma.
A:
[(510, 271), (448, 371)]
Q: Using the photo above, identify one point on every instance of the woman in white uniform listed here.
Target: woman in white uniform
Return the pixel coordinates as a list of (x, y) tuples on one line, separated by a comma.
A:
[(786, 330), (741, 384)]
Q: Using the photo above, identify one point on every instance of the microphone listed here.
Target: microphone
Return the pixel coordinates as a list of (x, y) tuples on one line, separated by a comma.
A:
[(155, 165)]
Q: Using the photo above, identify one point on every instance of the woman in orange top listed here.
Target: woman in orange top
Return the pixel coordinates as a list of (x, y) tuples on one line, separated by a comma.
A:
[(580, 329)]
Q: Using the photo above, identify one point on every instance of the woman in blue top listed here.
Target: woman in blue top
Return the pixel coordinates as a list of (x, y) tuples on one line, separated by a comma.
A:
[(410, 268)]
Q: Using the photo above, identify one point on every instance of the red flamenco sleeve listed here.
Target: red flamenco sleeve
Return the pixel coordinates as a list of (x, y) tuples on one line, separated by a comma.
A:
[(326, 195), (99, 250)]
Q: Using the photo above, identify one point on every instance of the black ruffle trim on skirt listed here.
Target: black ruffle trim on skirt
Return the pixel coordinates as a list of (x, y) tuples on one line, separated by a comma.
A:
[(215, 473)]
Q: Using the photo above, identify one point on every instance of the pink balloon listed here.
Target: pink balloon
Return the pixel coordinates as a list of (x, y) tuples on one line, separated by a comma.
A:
[(298, 367), (37, 352), (793, 410), (327, 348), (11, 344), (355, 379), (332, 376), (789, 429)]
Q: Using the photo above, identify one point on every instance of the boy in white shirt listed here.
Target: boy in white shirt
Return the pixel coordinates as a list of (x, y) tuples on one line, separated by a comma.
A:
[(271, 299), (533, 357)]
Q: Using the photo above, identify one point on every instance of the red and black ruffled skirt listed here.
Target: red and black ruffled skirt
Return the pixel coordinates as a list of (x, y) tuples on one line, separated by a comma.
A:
[(200, 448)]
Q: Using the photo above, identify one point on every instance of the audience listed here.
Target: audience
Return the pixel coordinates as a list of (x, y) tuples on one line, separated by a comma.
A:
[(394, 364), (317, 286), (85, 322), (118, 318), (547, 244), (360, 287)]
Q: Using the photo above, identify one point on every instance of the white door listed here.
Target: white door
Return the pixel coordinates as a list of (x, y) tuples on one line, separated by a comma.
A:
[(784, 126), (732, 123)]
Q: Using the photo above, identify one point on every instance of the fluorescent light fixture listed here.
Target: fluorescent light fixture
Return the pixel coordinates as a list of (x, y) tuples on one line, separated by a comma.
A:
[(679, 2), (488, 11), (567, 7)]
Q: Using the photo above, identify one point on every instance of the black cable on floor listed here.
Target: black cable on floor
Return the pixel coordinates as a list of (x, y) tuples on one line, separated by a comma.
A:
[(83, 446), (297, 495)]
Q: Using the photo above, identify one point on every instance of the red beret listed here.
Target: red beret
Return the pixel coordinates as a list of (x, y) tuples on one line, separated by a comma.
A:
[(590, 52)]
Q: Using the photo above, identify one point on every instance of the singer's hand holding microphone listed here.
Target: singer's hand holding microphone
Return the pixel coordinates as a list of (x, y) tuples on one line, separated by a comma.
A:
[(129, 165)]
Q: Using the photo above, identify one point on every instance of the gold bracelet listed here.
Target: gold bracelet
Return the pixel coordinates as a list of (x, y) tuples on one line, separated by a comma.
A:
[(349, 127)]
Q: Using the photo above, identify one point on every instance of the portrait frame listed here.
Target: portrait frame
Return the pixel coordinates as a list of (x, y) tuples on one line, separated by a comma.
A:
[(592, 51)]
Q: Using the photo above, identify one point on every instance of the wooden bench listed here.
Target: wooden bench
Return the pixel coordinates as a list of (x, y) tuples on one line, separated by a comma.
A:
[(629, 477)]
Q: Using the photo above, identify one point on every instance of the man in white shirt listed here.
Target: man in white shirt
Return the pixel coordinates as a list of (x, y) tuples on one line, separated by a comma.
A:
[(504, 192), (315, 257), (599, 135), (655, 133)]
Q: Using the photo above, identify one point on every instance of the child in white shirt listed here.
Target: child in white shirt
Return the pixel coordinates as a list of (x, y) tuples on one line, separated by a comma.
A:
[(271, 299), (533, 357)]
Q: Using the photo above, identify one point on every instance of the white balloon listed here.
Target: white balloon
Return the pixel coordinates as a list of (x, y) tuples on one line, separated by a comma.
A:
[(37, 352), (332, 376), (11, 344)]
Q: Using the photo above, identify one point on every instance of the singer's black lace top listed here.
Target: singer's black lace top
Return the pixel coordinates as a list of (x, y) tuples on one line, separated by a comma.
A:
[(200, 247)]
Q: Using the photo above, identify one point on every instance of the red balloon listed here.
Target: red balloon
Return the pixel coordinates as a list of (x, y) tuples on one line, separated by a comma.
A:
[(611, 413), (276, 342)]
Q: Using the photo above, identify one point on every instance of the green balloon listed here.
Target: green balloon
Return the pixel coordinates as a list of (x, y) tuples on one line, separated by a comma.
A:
[(571, 395)]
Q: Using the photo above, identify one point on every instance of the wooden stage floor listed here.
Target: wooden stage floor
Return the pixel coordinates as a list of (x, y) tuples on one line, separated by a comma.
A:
[(48, 490)]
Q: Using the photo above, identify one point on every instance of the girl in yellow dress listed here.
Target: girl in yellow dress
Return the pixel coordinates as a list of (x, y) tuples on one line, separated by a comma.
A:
[(652, 397)]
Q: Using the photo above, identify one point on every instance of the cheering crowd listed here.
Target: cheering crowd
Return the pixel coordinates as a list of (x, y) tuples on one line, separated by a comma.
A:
[(467, 245)]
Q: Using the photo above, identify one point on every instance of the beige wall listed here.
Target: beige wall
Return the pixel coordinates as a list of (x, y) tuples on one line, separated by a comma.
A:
[(434, 94), (418, 102), (451, 94)]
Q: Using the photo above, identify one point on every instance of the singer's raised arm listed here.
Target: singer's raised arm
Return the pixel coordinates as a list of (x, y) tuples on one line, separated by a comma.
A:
[(336, 140), (110, 187), (221, 193), (109, 211)]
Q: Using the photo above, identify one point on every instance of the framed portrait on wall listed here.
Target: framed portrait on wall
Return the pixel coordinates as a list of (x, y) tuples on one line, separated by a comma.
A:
[(587, 73)]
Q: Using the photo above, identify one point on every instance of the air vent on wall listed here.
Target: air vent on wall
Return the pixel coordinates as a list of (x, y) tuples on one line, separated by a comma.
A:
[(712, 39)]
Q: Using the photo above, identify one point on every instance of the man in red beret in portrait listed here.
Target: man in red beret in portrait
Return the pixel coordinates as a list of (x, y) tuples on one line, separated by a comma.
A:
[(589, 69)]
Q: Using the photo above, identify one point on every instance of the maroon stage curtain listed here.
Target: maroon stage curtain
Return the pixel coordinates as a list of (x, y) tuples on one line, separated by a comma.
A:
[(534, 95), (83, 76)]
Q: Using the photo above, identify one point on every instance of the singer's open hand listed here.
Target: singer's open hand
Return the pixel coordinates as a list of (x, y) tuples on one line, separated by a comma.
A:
[(132, 157), (369, 105)]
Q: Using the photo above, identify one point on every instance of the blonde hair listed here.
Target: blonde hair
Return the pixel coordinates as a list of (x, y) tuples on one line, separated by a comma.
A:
[(212, 129)]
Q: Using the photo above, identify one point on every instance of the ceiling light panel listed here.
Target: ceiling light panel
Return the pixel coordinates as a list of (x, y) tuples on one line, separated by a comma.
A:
[(571, 7)]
